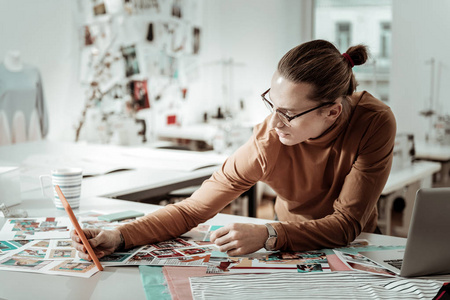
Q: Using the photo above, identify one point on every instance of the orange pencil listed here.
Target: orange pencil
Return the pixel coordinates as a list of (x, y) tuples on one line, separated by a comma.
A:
[(77, 226)]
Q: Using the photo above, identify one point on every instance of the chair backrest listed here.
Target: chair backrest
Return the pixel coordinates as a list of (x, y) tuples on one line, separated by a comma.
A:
[(5, 133), (18, 131)]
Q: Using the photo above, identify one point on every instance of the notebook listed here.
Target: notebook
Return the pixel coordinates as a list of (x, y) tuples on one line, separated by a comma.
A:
[(427, 247)]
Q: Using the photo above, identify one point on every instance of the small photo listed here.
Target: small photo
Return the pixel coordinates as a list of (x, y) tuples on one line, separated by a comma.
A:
[(166, 253), (371, 269), (17, 262), (196, 40), (196, 251), (171, 244), (141, 258), (69, 266), (176, 9), (131, 60), (48, 224), (115, 257), (20, 243), (33, 252), (42, 244), (139, 94), (64, 243), (62, 253), (309, 268), (99, 9)]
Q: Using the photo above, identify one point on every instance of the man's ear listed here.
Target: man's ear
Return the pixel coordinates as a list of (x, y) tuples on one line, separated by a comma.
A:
[(335, 111)]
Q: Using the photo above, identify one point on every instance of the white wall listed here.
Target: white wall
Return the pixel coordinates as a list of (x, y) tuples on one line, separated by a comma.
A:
[(420, 31), (45, 34), (253, 32)]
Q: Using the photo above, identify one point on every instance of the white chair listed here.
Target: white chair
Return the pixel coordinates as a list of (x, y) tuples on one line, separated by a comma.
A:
[(5, 133), (18, 130)]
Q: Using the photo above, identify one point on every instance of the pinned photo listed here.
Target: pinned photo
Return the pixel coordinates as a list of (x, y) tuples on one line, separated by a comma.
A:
[(131, 60)]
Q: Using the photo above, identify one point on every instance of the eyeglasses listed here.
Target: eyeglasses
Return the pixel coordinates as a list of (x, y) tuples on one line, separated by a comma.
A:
[(286, 119)]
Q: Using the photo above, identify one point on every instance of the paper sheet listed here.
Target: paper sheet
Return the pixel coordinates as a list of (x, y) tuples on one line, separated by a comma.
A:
[(334, 285), (36, 228), (46, 257)]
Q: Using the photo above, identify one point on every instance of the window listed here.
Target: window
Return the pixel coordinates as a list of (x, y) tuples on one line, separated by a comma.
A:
[(350, 22), (385, 42), (343, 35)]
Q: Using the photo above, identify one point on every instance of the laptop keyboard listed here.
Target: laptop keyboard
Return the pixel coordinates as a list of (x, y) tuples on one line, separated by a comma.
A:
[(396, 263)]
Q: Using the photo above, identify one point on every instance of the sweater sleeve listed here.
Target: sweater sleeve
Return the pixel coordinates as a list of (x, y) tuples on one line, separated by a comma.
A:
[(239, 173), (358, 197)]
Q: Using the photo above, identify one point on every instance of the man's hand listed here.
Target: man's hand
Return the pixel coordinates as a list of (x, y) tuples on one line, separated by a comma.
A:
[(103, 242), (239, 238)]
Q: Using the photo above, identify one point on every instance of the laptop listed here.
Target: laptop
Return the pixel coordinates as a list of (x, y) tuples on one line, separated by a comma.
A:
[(427, 250)]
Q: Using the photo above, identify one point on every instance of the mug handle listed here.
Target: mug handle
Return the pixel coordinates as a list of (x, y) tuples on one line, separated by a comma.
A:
[(41, 179)]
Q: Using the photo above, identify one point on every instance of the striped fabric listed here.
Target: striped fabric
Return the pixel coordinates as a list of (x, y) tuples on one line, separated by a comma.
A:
[(335, 285)]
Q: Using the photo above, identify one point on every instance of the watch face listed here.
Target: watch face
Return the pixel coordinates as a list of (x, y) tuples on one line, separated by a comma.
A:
[(270, 243)]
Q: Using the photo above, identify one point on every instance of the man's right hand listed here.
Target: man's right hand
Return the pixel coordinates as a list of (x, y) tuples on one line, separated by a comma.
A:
[(103, 242)]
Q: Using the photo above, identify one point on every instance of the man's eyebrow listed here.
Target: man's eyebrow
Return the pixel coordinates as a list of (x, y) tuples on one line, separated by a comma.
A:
[(282, 108)]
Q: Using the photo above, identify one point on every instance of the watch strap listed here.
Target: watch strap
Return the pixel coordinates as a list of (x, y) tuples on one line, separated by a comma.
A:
[(271, 230)]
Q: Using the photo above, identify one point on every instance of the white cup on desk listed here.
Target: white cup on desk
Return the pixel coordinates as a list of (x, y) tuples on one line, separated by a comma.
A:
[(69, 180)]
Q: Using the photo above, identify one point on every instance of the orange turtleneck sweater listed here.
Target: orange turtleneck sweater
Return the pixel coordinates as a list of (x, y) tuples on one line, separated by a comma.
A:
[(327, 187)]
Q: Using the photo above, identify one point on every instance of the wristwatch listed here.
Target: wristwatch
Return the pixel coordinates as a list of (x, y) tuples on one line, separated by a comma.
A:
[(269, 245)]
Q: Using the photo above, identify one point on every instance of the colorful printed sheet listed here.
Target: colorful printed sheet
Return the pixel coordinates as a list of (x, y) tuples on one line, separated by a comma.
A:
[(175, 252), (359, 262), (271, 262), (45, 256), (36, 229)]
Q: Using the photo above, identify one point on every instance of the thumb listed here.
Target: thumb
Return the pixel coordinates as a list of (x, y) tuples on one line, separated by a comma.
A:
[(96, 241)]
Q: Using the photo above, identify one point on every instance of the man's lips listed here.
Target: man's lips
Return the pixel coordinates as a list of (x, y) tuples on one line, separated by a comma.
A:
[(281, 134)]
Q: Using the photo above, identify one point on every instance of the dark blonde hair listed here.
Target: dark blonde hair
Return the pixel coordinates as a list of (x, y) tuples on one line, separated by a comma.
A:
[(320, 64)]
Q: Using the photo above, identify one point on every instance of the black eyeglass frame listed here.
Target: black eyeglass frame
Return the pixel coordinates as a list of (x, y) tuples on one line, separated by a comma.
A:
[(290, 118)]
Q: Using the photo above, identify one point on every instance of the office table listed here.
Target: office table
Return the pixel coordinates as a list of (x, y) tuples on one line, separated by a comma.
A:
[(404, 184), (115, 282), (437, 153), (137, 181), (148, 174)]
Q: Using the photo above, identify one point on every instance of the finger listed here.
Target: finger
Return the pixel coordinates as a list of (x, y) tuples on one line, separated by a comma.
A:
[(223, 240), (80, 248), (84, 256), (99, 239), (74, 236), (236, 252), (228, 246), (218, 233)]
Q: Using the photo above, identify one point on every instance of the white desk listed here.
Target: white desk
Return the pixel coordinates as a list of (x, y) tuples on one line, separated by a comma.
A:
[(437, 153), (148, 179), (114, 282), (404, 184)]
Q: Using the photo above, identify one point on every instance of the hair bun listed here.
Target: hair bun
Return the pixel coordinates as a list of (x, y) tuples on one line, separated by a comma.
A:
[(358, 54)]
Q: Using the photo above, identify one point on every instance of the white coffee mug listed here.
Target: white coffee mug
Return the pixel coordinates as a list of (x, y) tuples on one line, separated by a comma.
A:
[(69, 180)]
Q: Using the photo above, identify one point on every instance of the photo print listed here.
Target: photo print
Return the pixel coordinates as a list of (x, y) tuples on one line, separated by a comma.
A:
[(309, 268), (196, 40), (172, 244), (131, 60), (35, 229), (62, 253), (166, 253), (139, 94), (76, 267), (99, 8), (27, 263), (33, 252)]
